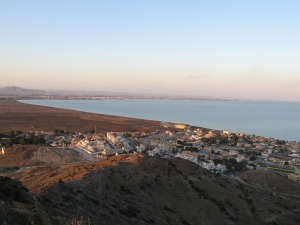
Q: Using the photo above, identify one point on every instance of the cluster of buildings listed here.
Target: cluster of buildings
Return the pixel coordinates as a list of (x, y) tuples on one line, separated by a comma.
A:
[(217, 151)]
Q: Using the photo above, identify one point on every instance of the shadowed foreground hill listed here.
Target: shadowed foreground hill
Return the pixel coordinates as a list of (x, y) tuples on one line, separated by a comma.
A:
[(19, 116), (17, 205), (136, 189)]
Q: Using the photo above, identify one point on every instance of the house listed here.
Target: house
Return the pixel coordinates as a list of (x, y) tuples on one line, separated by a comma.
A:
[(111, 137), (247, 145), (209, 165), (233, 152), (180, 126), (141, 148), (226, 132), (108, 152), (191, 156), (168, 132), (154, 152)]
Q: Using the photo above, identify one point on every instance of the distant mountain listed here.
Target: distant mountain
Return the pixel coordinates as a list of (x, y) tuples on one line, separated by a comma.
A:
[(25, 93), (18, 91)]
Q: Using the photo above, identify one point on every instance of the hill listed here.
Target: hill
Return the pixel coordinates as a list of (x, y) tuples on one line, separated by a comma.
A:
[(18, 91), (28, 155), (136, 189), (17, 204)]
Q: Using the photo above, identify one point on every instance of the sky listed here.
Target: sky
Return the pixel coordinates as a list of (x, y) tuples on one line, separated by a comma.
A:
[(217, 48)]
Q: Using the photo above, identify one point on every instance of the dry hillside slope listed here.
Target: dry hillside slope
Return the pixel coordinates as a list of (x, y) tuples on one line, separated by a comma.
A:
[(136, 189)]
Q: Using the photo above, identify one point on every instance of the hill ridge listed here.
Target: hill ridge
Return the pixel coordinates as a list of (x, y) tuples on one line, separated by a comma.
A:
[(137, 189)]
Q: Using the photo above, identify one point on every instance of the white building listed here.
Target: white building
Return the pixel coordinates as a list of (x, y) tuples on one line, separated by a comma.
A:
[(111, 137), (141, 148), (191, 156), (154, 152), (226, 132), (209, 165)]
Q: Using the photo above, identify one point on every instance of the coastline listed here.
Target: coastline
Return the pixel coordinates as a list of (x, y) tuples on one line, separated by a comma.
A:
[(17, 115), (270, 120)]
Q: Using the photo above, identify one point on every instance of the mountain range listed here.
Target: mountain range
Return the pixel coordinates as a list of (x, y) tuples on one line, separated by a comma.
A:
[(14, 91), (18, 91)]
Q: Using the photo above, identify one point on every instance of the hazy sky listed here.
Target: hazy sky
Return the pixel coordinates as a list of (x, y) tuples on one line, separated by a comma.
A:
[(225, 48)]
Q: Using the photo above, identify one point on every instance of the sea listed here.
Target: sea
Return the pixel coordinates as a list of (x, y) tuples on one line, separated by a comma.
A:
[(279, 120)]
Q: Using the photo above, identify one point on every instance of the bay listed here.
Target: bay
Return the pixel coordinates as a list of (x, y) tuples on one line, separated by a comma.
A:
[(269, 119)]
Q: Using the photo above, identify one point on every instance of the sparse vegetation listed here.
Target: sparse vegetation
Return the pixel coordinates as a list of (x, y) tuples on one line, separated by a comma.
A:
[(79, 221), (139, 195), (18, 137)]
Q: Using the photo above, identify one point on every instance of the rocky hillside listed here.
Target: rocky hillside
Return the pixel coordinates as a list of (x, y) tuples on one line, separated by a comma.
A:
[(33, 155), (135, 189)]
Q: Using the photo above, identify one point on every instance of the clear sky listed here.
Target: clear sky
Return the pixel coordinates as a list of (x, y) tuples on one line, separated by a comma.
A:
[(225, 48)]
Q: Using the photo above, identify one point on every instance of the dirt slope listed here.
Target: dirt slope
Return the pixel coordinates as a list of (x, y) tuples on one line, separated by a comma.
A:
[(33, 155)]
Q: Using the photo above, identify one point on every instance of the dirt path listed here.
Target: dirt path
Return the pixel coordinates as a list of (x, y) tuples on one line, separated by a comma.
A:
[(256, 187)]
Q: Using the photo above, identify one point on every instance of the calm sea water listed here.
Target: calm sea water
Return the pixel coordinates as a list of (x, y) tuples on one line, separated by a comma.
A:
[(270, 119)]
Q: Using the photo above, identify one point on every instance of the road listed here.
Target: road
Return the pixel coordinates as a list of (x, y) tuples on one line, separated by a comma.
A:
[(267, 191)]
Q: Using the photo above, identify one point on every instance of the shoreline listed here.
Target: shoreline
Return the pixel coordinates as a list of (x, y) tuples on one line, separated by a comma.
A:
[(251, 120), (16, 115), (140, 97)]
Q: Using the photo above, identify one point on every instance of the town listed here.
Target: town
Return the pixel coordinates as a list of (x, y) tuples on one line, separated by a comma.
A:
[(218, 151)]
